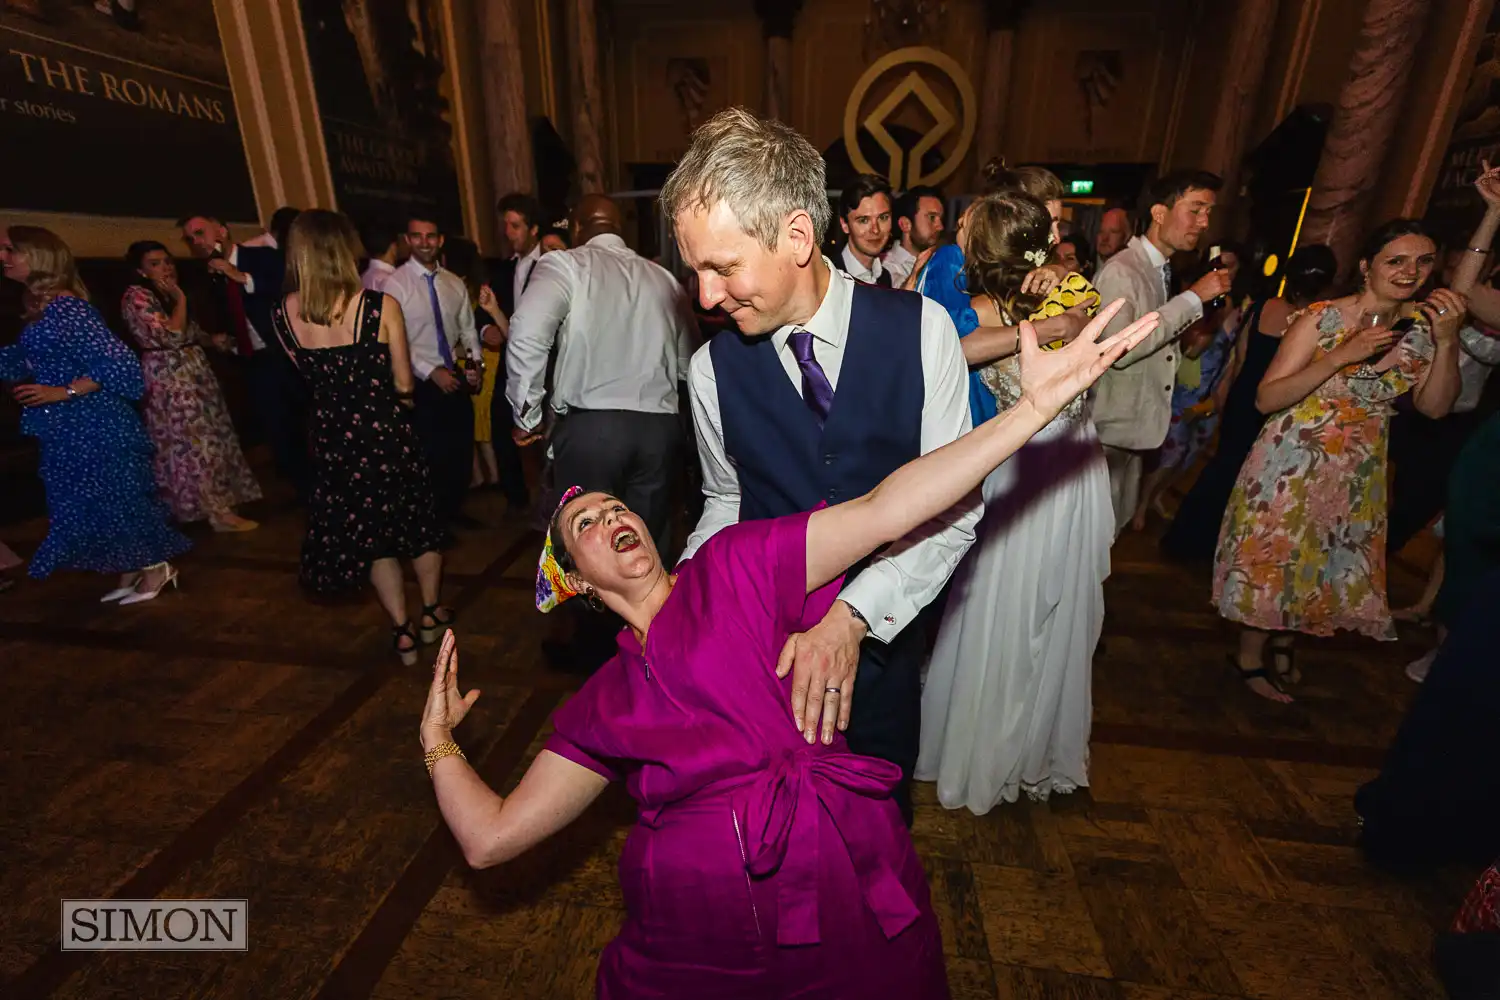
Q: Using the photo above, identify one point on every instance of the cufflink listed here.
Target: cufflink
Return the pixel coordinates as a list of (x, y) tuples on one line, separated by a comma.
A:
[(890, 619)]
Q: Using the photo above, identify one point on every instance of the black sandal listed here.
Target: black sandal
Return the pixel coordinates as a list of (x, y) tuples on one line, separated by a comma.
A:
[(403, 631), (1259, 673), (1288, 674), (433, 634)]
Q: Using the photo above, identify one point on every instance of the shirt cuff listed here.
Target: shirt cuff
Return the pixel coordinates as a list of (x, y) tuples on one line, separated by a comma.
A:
[(884, 618), (1195, 303), (531, 420), (249, 284)]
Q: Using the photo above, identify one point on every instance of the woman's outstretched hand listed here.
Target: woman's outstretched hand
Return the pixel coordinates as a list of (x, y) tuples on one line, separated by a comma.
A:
[(446, 708), (1051, 380)]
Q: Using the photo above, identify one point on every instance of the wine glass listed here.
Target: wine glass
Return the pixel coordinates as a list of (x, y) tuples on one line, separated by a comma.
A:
[(1370, 319)]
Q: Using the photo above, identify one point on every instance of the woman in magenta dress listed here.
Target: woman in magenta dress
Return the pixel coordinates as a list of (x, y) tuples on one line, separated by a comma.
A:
[(761, 865)]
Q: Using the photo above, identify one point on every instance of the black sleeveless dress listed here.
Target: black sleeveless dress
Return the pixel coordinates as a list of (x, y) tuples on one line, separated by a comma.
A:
[(371, 496), (1194, 533)]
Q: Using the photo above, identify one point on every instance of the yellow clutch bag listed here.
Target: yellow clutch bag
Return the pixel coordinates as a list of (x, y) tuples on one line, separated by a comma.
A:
[(1074, 290)]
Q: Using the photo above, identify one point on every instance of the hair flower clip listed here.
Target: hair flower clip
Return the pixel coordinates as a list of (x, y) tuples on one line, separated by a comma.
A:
[(1036, 258)]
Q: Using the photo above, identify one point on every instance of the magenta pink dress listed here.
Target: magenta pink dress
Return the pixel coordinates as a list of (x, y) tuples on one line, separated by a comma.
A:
[(759, 866)]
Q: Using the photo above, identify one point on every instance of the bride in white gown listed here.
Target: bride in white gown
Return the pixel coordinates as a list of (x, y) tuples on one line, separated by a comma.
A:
[(1007, 705)]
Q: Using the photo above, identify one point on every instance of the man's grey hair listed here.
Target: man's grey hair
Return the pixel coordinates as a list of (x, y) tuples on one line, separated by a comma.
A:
[(762, 170)]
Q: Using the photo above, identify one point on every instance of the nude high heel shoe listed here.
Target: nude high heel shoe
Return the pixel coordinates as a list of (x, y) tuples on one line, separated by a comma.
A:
[(119, 592), (137, 596)]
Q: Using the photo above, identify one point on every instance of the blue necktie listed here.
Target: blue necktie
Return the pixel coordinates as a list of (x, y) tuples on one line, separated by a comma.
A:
[(437, 317), (817, 391)]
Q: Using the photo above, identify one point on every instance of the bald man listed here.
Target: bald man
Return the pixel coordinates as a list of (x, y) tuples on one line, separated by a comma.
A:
[(1114, 233), (624, 331)]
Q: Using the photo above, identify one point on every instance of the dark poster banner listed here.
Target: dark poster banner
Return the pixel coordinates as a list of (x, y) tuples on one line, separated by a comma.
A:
[(107, 115), (377, 66), (1455, 208)]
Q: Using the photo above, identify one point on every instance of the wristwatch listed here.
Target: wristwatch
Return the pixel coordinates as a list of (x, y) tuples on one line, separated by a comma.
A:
[(72, 392)]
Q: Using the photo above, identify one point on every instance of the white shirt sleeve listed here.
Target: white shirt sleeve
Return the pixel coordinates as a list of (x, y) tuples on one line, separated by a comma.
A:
[(468, 333), (721, 484), (533, 330), (911, 572)]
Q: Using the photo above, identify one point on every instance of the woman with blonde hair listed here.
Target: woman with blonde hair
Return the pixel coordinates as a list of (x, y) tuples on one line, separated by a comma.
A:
[(372, 503), (77, 382)]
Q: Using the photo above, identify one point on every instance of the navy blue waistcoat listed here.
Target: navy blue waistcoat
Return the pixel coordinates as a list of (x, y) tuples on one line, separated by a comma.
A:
[(785, 462)]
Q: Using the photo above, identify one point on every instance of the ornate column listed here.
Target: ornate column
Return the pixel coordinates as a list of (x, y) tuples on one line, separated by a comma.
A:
[(1001, 20), (1249, 47), (1363, 122), (512, 166), (776, 17), (588, 99)]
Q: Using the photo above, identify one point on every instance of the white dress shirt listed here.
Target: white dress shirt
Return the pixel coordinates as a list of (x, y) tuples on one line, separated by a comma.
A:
[(1479, 353), (257, 342), (408, 286), (376, 273), (857, 270), (624, 331), (910, 572), (899, 261), (523, 271)]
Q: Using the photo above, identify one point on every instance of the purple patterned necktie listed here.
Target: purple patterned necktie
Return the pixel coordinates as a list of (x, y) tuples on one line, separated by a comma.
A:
[(817, 392)]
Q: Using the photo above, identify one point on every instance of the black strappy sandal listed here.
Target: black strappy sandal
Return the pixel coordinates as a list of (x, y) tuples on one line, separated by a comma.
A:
[(408, 656), (433, 634), (1259, 673), (1284, 660)]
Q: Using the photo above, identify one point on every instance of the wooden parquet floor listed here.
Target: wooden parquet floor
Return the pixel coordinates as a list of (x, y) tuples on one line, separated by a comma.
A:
[(235, 739)]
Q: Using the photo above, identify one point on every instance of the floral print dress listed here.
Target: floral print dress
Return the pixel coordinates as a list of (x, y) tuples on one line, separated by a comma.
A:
[(1302, 544), (371, 497), (102, 502), (200, 469)]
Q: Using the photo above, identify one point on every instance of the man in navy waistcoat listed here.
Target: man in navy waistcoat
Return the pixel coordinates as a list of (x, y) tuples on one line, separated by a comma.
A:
[(827, 387)]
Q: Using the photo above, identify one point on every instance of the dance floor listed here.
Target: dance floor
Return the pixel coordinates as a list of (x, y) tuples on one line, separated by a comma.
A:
[(233, 739)]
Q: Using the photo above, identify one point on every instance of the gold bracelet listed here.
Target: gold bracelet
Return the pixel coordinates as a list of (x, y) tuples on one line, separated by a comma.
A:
[(440, 751)]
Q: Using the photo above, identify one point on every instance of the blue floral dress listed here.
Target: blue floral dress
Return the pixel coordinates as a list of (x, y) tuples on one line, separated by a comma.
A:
[(102, 498), (1196, 380)]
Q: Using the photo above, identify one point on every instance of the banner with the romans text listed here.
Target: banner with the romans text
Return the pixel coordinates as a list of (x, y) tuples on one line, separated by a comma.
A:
[(109, 112), (377, 69)]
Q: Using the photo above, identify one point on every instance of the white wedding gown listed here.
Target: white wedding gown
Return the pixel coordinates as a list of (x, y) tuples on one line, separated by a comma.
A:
[(1007, 704)]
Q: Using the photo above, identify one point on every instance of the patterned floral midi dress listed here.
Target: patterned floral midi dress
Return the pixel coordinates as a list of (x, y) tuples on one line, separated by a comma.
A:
[(371, 496), (199, 466), (1302, 544)]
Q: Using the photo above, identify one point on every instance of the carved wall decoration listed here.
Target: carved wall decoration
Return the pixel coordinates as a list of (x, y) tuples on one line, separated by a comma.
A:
[(689, 80), (1098, 74)]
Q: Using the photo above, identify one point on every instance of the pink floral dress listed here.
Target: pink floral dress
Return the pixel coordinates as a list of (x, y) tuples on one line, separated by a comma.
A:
[(200, 469), (1302, 544)]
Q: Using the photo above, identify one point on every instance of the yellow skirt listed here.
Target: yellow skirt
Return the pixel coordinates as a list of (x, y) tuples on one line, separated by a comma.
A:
[(482, 429)]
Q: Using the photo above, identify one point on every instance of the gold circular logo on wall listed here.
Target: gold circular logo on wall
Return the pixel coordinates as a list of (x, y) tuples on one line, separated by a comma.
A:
[(906, 165)]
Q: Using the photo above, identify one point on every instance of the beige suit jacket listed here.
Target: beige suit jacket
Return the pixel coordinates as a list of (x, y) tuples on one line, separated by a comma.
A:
[(1133, 400)]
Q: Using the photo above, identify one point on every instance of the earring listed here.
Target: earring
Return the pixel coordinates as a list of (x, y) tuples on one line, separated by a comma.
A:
[(591, 598)]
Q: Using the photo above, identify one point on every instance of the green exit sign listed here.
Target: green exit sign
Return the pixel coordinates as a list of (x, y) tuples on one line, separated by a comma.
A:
[(1080, 187)]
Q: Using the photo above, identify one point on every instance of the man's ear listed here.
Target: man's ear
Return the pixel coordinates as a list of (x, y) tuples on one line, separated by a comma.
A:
[(1159, 214), (903, 225), (798, 230)]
